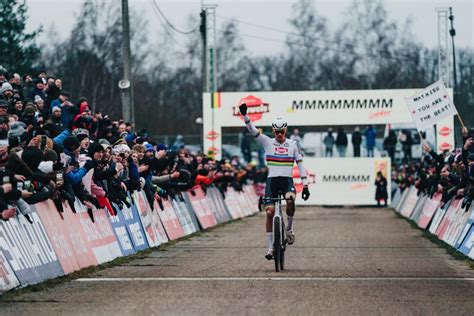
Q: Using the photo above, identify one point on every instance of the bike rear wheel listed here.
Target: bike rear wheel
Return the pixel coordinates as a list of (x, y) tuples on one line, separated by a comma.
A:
[(277, 251), (282, 247)]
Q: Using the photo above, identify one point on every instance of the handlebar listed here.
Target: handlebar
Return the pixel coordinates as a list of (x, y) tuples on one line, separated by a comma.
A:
[(277, 199)]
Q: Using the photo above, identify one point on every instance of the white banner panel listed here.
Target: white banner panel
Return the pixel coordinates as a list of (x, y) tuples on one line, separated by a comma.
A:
[(303, 108), (343, 181)]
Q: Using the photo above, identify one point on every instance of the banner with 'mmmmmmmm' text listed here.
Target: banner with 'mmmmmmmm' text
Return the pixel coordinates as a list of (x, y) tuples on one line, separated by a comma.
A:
[(342, 181)]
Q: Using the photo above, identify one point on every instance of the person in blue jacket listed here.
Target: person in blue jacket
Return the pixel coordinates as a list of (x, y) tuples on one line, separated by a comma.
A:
[(370, 134)]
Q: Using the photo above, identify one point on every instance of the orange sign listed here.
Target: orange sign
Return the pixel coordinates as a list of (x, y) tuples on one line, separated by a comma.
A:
[(212, 135)]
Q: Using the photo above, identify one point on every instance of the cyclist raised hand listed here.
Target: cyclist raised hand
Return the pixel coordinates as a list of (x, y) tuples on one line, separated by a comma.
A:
[(280, 154)]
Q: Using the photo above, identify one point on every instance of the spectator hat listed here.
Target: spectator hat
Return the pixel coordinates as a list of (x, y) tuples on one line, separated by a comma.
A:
[(50, 155), (38, 98), (6, 86), (64, 93), (3, 104), (56, 108), (82, 136), (71, 143), (149, 147), (30, 109)]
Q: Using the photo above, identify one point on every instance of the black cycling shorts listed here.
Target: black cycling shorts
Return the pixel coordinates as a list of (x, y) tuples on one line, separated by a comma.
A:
[(278, 184)]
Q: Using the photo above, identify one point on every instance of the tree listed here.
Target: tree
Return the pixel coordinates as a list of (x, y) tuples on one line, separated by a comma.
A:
[(18, 49), (307, 48)]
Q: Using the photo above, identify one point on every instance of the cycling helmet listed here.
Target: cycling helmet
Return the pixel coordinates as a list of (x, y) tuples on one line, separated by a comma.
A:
[(279, 124)]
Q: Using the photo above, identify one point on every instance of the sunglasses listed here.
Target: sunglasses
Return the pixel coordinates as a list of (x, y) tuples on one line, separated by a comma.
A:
[(279, 132)]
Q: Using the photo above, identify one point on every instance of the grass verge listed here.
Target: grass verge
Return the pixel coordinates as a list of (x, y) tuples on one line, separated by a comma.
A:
[(457, 255), (48, 284)]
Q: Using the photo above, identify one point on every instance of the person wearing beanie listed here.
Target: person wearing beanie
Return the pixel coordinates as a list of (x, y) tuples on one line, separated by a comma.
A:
[(53, 125), (7, 87), (29, 116), (84, 143), (17, 135)]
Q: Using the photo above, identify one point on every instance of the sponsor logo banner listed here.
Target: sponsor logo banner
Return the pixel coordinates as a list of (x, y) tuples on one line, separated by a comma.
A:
[(184, 216), (200, 206), (58, 232), (134, 227), (170, 221), (343, 181), (28, 249), (428, 211), (121, 233)]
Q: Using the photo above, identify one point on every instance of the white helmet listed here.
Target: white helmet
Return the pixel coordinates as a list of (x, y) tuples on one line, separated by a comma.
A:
[(279, 123)]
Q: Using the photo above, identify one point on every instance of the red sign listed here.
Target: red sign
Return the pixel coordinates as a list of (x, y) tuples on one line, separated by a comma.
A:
[(445, 146), (255, 107), (445, 131), (212, 135)]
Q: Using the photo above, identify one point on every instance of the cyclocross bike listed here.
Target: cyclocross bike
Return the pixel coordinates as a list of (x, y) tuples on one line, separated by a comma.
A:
[(279, 238)]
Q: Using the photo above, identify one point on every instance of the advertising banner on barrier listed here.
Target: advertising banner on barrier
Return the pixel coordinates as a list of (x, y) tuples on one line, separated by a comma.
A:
[(343, 181), (428, 211), (466, 240), (28, 250), (170, 221), (184, 216), (58, 233), (232, 203), (455, 228), (121, 233), (160, 229), (407, 208), (438, 217), (134, 227), (448, 218), (150, 223), (467, 226), (221, 213), (201, 207), (99, 234), (8, 279)]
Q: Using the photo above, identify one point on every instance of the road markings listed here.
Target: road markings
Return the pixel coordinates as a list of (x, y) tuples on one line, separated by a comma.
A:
[(167, 279)]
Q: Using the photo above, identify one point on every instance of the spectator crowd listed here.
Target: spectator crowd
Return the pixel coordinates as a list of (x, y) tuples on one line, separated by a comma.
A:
[(450, 173), (54, 147)]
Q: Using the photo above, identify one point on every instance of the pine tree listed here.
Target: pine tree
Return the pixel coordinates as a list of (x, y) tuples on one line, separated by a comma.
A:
[(18, 50)]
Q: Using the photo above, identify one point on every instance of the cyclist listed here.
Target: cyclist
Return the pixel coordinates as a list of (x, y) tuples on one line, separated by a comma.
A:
[(280, 153)]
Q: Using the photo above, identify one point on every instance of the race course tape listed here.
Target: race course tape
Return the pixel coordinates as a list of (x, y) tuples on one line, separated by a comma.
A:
[(55, 244)]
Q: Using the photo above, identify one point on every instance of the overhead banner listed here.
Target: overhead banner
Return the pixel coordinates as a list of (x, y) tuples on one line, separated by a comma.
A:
[(342, 181), (431, 105)]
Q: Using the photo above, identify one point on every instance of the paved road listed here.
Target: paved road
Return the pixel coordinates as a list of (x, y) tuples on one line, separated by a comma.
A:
[(346, 260)]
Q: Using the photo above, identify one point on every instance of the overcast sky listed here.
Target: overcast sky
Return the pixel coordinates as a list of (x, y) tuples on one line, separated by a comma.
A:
[(267, 13)]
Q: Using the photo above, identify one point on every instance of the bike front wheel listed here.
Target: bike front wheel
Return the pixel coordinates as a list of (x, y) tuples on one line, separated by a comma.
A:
[(277, 251)]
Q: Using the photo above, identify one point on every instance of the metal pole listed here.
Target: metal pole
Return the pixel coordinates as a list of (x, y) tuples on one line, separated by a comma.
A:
[(452, 32), (127, 94)]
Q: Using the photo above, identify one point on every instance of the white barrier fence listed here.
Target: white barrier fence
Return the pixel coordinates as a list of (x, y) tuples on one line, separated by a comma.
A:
[(451, 223), (56, 243)]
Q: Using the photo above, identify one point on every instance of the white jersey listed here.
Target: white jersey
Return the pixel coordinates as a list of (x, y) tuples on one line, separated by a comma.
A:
[(280, 157)]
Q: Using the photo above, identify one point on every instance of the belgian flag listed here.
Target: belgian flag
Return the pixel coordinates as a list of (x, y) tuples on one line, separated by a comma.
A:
[(215, 100)]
